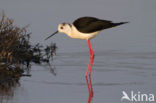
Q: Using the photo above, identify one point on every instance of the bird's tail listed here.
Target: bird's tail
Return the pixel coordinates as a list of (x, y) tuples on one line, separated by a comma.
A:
[(117, 24)]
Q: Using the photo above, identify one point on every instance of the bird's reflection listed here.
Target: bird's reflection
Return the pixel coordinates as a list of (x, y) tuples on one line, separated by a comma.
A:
[(90, 88), (88, 80)]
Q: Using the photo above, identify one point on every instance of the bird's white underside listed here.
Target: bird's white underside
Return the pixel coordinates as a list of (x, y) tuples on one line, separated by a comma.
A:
[(74, 33)]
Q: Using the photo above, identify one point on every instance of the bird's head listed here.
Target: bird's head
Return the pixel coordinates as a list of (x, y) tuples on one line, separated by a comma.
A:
[(62, 28)]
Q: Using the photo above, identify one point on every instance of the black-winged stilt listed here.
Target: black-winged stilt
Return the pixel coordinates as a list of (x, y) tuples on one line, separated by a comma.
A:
[(86, 28)]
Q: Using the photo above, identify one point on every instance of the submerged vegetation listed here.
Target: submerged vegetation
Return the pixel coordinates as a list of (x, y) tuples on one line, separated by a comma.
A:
[(17, 54)]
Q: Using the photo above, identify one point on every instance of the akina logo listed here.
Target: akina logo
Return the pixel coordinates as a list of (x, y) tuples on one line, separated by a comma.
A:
[(137, 97)]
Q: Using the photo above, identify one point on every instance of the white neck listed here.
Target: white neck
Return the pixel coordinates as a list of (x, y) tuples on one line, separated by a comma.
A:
[(68, 31)]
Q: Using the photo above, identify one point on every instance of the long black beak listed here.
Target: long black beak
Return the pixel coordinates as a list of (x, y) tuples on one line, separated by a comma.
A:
[(51, 35)]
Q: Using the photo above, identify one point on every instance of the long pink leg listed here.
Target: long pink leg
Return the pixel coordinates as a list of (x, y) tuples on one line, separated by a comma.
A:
[(91, 64), (90, 49), (88, 68), (91, 59), (91, 87)]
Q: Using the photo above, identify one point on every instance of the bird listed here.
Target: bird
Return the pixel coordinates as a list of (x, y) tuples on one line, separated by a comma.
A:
[(85, 28)]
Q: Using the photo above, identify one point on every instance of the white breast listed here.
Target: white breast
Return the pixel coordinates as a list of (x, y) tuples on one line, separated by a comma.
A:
[(78, 35)]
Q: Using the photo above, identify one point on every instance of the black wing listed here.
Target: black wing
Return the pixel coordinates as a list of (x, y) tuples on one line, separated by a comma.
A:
[(91, 24)]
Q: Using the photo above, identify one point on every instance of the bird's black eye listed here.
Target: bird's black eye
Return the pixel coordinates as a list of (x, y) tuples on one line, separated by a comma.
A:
[(61, 27)]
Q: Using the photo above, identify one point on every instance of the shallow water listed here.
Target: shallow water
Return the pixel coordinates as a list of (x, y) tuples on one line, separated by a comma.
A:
[(125, 56), (113, 72)]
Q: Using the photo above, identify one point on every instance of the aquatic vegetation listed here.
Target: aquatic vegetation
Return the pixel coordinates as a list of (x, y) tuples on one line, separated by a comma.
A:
[(17, 54)]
